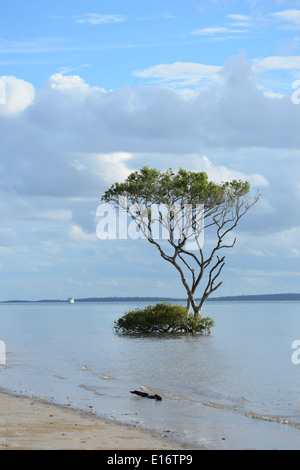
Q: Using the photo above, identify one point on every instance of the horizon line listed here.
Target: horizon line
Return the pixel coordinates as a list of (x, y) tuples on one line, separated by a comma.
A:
[(279, 296)]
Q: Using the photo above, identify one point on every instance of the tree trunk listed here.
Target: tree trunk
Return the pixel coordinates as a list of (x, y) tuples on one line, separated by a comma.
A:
[(197, 312), (191, 304)]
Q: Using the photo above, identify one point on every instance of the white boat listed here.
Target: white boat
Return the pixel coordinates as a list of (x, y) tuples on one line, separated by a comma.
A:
[(71, 300)]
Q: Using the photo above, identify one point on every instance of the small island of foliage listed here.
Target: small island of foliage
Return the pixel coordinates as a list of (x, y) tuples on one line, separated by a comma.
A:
[(162, 318)]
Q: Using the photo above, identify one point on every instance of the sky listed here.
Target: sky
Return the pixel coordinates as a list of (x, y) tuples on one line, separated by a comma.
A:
[(93, 90)]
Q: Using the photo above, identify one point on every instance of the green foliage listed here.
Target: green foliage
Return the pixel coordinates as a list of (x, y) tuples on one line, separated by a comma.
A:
[(186, 187), (162, 318)]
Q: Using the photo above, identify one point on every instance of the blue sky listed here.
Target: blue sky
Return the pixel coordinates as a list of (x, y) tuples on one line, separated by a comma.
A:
[(90, 91)]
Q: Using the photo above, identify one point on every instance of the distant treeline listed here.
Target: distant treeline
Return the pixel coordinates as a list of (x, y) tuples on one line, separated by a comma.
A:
[(258, 297), (171, 299)]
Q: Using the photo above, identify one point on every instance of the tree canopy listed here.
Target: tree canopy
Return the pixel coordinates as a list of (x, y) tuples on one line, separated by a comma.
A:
[(186, 187)]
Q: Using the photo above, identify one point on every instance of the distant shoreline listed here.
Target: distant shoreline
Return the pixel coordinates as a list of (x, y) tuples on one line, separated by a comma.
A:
[(262, 297)]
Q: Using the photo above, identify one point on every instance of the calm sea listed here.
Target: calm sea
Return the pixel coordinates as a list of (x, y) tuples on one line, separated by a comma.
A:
[(235, 389)]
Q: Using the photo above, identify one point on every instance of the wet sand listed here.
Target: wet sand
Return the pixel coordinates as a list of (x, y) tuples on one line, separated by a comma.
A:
[(32, 424)]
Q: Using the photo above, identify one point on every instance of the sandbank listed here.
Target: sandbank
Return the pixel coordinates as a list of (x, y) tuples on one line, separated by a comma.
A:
[(32, 424)]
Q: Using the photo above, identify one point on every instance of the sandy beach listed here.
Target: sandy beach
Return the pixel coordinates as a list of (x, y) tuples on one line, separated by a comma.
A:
[(31, 424)]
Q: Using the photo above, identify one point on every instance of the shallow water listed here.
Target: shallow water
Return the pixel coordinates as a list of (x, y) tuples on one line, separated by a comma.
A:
[(234, 389)]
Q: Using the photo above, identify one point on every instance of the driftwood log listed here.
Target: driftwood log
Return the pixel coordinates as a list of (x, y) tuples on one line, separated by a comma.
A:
[(146, 395)]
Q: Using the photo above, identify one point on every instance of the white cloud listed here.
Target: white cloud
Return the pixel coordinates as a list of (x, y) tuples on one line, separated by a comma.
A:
[(289, 15), (221, 173), (282, 244), (16, 95), (276, 63), (182, 73), (97, 18), (272, 94), (59, 81), (113, 167), (78, 235), (216, 30), (239, 17), (70, 84)]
